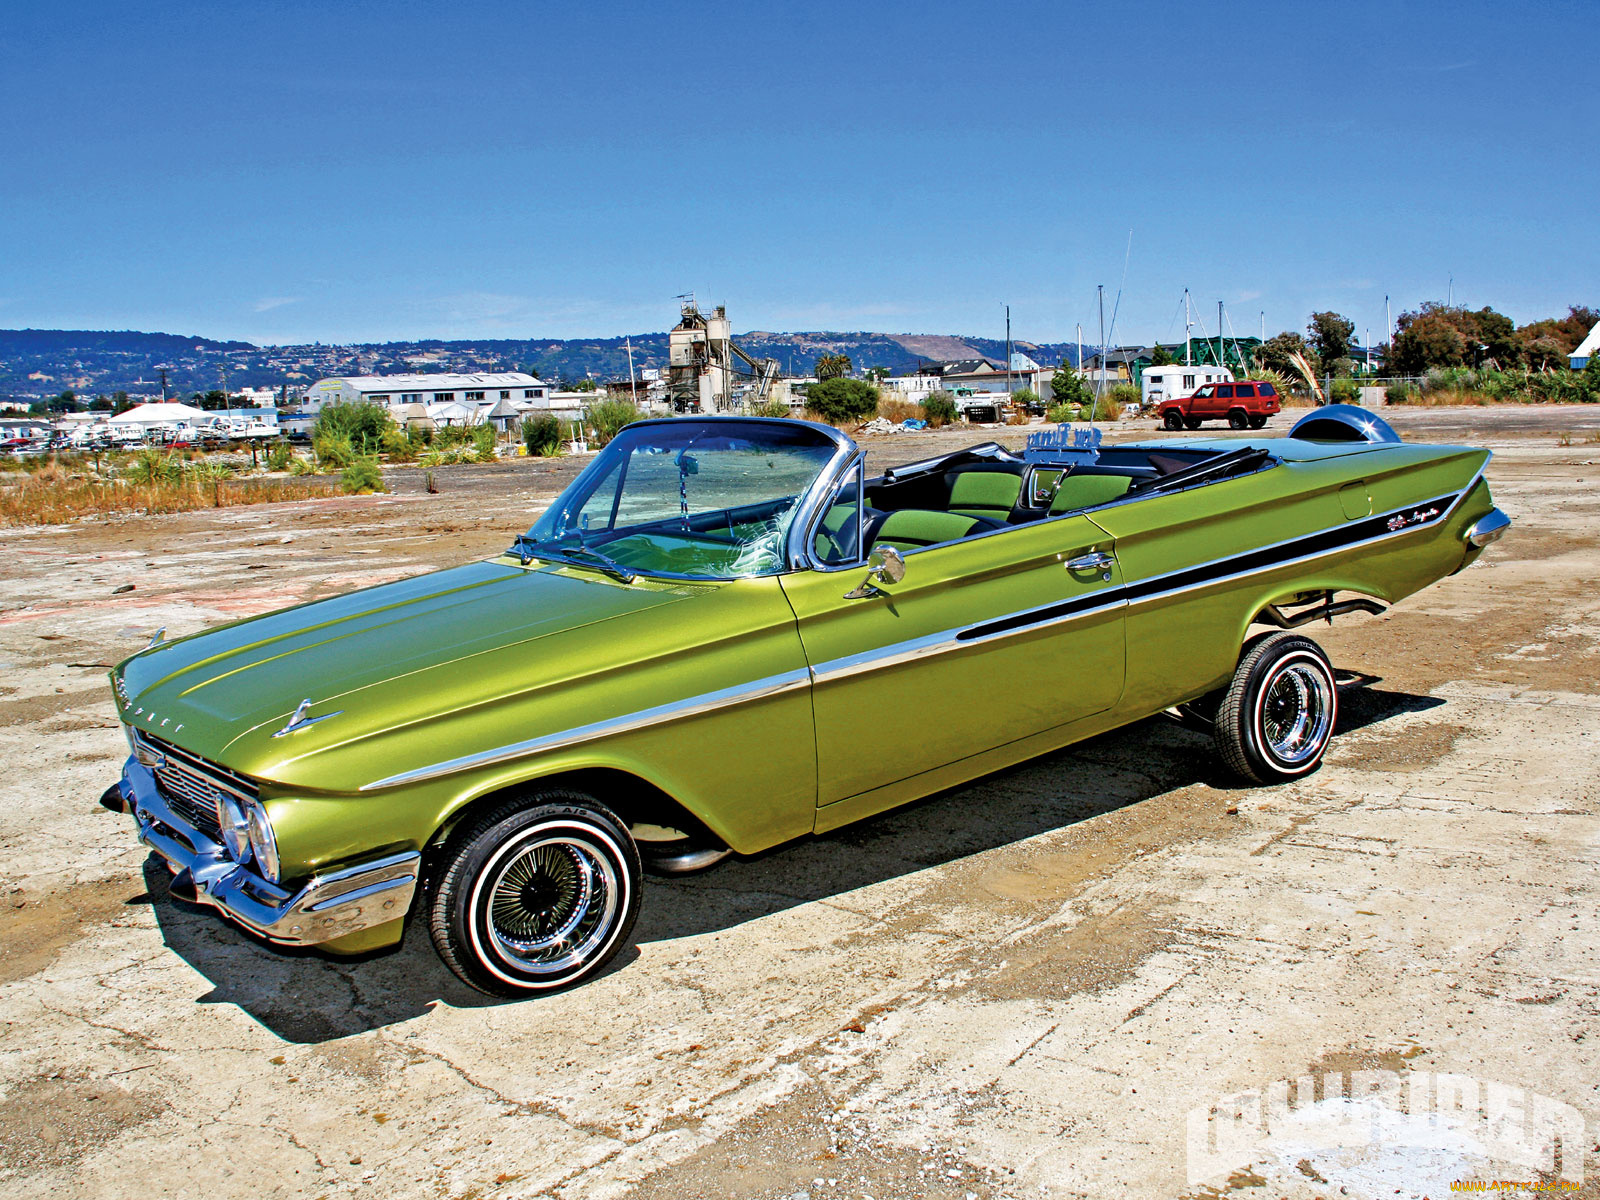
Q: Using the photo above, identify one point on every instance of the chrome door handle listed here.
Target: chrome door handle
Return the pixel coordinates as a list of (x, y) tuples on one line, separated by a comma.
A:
[(1093, 561)]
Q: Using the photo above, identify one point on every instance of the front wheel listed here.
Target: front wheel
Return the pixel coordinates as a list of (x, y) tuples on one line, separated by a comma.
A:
[(537, 895), (1172, 419), (1191, 423), (1257, 422), (1278, 713)]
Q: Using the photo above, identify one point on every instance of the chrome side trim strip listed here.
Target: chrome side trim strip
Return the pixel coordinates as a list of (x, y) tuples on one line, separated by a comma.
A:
[(693, 706), (954, 639)]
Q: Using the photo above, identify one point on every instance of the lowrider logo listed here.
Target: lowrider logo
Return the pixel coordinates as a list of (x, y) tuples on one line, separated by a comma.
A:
[(121, 687), (1415, 517)]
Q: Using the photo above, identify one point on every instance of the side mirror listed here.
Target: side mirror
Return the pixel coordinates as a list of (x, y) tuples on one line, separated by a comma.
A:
[(885, 563)]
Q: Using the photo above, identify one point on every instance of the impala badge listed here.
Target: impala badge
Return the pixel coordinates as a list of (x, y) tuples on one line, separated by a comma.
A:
[(300, 720), (1416, 517)]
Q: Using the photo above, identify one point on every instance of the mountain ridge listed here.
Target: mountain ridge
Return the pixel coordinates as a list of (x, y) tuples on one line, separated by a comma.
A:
[(36, 363)]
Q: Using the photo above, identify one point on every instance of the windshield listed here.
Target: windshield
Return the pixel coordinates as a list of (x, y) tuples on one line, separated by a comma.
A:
[(700, 498)]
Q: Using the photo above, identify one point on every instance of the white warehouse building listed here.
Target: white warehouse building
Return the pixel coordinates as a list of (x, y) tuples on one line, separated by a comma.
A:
[(489, 389)]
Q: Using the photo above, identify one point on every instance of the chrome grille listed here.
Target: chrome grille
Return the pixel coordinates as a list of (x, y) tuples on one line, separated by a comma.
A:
[(190, 784)]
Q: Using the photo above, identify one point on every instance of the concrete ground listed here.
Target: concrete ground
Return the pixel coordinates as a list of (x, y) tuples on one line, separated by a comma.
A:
[(1042, 984)]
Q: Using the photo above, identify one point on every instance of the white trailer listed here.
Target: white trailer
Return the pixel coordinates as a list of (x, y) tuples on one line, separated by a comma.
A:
[(1177, 381)]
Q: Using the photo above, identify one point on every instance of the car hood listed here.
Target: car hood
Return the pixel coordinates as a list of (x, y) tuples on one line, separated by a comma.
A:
[(241, 682)]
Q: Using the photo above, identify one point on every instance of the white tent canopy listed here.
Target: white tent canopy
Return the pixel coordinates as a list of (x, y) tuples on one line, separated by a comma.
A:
[(151, 415), (1586, 350)]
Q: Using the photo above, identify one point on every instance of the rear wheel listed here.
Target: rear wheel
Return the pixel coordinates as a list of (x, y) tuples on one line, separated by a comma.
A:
[(1172, 419), (537, 895), (1238, 419), (1278, 713)]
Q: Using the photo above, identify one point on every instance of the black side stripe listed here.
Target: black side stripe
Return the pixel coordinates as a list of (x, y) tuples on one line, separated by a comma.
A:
[(1415, 516)]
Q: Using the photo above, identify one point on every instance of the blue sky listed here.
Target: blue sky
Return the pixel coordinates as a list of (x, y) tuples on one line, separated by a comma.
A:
[(286, 171)]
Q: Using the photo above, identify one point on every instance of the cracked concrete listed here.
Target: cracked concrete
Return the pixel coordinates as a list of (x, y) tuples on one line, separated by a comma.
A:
[(1018, 988)]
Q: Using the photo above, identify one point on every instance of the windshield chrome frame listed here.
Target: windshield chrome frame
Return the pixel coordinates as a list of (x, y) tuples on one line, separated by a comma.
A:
[(807, 506)]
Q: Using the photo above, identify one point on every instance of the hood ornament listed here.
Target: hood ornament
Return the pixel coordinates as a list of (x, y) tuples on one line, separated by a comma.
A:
[(155, 639), (300, 720)]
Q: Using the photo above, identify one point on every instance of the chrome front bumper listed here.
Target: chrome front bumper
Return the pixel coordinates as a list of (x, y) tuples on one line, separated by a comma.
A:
[(328, 906)]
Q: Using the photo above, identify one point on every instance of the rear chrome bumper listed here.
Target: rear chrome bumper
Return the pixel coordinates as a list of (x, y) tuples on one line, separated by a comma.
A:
[(1488, 528), (328, 906)]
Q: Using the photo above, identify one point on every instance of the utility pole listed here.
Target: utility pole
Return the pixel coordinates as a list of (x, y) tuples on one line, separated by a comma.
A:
[(633, 384), (163, 385), (1100, 288), (1008, 350), (1188, 324), (222, 374), (1388, 322), (1219, 333)]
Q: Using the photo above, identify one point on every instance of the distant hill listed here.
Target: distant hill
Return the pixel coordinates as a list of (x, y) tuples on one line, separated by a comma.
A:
[(44, 362)]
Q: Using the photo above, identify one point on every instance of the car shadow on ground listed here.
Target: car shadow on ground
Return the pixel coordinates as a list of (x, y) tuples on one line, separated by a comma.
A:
[(306, 997)]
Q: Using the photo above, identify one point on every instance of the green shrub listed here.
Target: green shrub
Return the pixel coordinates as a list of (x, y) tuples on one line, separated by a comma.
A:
[(1122, 395), (446, 456), (299, 466), (483, 442), (1342, 390), (1062, 414), (333, 450), (397, 446), (542, 435), (843, 399), (608, 418), (1027, 398), (361, 425), (362, 476), (209, 470), (769, 408), (278, 456), (1399, 393), (451, 435), (939, 409), (154, 465)]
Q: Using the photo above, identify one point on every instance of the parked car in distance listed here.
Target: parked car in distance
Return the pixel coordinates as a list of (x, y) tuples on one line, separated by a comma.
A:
[(725, 635), (1245, 404)]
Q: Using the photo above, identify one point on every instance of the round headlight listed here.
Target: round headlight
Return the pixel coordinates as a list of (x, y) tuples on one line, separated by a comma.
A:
[(235, 827), (263, 843)]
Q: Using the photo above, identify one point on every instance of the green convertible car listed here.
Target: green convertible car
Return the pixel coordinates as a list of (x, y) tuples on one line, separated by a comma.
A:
[(726, 634)]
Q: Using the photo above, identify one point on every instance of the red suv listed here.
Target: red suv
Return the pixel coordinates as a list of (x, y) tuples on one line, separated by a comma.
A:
[(1245, 404)]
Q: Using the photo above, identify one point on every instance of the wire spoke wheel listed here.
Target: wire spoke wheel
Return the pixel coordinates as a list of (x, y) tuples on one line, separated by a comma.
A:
[(1297, 712), (1276, 717), (536, 895), (549, 902)]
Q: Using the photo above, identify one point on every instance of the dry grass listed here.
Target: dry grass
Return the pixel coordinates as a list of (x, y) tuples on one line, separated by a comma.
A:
[(897, 410), (52, 497), (1447, 397)]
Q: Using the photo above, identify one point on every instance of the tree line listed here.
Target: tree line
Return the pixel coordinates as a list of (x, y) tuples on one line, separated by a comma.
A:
[(1435, 336)]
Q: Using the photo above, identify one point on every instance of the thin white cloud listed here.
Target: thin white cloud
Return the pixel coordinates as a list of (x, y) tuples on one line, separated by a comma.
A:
[(1460, 66), (267, 303)]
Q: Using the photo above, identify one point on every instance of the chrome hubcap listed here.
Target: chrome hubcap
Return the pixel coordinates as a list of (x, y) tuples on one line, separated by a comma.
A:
[(552, 904), (1297, 713)]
